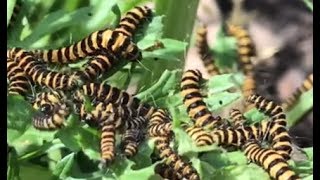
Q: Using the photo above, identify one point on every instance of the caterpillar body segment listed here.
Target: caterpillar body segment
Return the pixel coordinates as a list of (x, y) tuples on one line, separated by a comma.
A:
[(192, 99), (270, 161), (39, 73), (183, 169), (103, 40), (133, 20), (18, 82), (204, 51)]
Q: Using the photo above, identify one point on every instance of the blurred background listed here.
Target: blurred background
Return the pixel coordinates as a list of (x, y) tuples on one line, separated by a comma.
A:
[(283, 34)]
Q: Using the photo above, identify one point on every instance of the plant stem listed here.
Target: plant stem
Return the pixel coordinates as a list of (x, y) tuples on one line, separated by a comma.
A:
[(178, 24)]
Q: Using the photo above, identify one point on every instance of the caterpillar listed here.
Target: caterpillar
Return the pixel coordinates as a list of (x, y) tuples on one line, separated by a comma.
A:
[(204, 51), (165, 171), (248, 88), (52, 110), (237, 118), (266, 106), (133, 19), (133, 134), (270, 160), (306, 86), (131, 140), (192, 99), (126, 118), (107, 143), (99, 41), (97, 65), (39, 73), (199, 135), (159, 124), (183, 169), (107, 118), (18, 82), (106, 93), (281, 139), (279, 136), (246, 47)]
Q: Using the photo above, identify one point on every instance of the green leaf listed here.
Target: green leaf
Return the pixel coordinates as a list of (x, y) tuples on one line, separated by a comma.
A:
[(239, 172), (166, 83), (218, 100), (219, 83), (12, 165), (144, 173), (308, 177), (54, 22), (309, 4), (102, 14), (152, 33), (10, 7), (303, 105), (32, 171), (19, 114), (142, 158), (170, 51), (254, 115), (64, 166)]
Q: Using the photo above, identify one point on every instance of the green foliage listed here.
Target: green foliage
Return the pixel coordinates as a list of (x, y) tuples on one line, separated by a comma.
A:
[(73, 152)]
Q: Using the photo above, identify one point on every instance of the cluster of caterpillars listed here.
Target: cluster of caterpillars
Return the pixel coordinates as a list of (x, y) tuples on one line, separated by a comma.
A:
[(114, 110)]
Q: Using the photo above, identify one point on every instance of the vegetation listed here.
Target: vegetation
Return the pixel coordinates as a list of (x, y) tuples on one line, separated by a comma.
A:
[(73, 152)]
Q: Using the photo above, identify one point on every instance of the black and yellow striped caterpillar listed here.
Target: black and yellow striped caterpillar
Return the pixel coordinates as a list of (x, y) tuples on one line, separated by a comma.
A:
[(105, 93), (306, 86), (237, 118), (38, 72), (107, 118), (270, 160), (104, 59), (246, 47), (97, 42), (198, 135), (204, 51), (281, 140), (173, 160), (52, 110), (18, 82), (133, 19), (192, 99), (131, 140), (264, 105), (246, 50), (159, 124), (166, 171), (124, 120)]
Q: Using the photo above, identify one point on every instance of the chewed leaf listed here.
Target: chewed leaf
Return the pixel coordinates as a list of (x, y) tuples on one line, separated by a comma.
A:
[(153, 33), (219, 100)]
